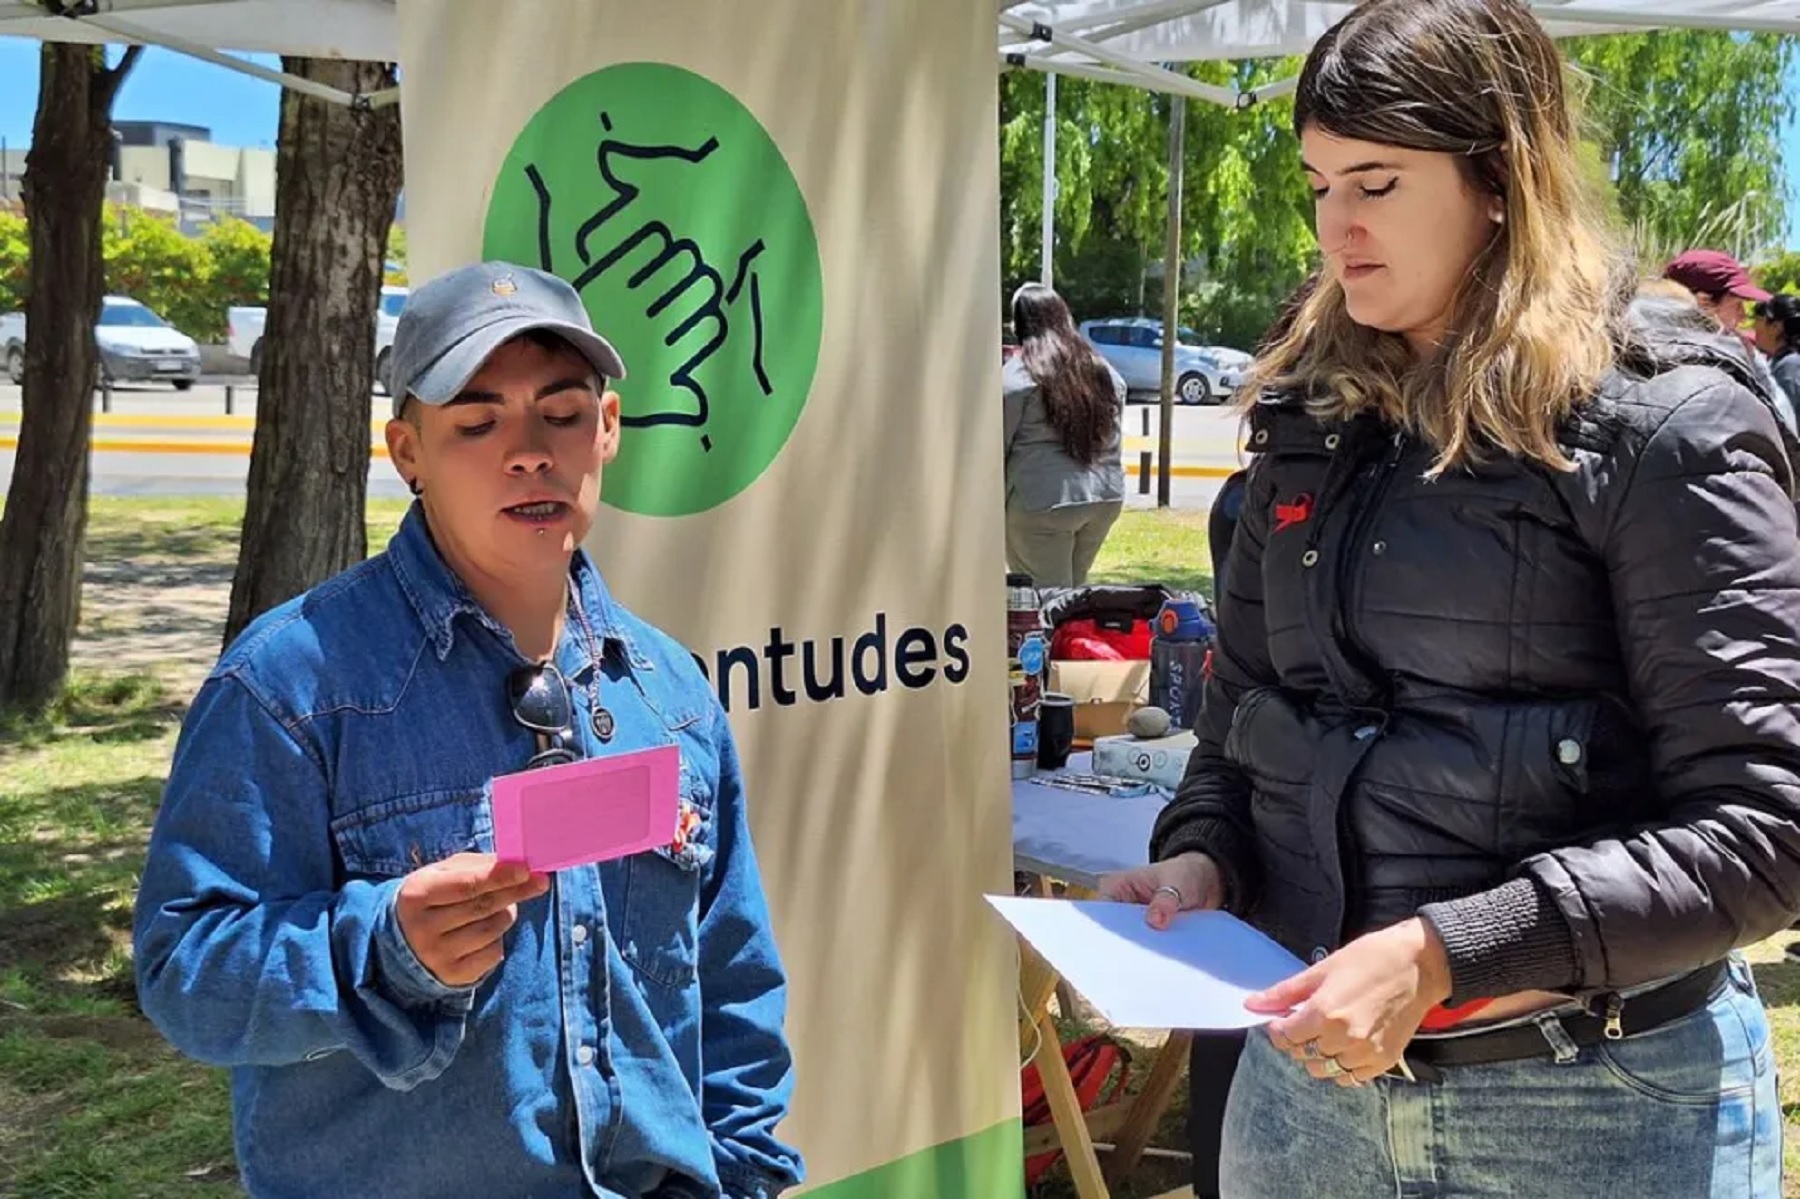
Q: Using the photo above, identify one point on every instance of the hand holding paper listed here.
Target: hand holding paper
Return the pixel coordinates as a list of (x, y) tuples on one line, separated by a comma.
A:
[(1195, 974), (454, 914), (1362, 1005), (1184, 883)]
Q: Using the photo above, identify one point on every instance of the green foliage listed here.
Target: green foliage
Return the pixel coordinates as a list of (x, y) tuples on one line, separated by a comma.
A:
[(1684, 135), (1246, 214), (150, 260), (395, 274), (240, 264), (15, 252), (188, 281), (1689, 125), (1780, 272)]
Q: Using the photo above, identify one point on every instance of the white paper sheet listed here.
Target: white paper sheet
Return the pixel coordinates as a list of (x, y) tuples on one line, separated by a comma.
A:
[(1194, 974)]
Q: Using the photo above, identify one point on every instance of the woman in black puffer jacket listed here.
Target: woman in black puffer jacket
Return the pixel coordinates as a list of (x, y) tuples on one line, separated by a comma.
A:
[(1503, 733)]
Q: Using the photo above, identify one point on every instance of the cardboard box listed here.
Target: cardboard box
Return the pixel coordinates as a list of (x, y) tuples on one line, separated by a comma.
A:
[(1105, 693)]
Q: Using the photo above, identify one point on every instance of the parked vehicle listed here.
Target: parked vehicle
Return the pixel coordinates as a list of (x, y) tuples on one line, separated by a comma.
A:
[(244, 331), (1134, 347), (387, 318), (136, 346), (12, 345)]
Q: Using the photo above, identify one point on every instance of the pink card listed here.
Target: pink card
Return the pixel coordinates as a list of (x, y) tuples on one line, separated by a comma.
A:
[(588, 811)]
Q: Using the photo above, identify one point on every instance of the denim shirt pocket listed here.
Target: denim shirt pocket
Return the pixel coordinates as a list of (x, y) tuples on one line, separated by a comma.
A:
[(395, 836), (658, 924)]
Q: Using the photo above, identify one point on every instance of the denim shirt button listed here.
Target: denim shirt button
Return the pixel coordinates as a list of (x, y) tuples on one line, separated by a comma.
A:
[(578, 934), (585, 1055)]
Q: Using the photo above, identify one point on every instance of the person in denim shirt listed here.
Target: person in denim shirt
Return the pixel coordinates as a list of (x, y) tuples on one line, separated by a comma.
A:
[(321, 910)]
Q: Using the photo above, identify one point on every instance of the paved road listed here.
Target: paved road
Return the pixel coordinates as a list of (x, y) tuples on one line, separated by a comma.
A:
[(155, 440)]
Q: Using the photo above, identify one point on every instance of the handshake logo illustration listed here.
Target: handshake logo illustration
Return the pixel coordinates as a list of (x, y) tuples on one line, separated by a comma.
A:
[(669, 208)]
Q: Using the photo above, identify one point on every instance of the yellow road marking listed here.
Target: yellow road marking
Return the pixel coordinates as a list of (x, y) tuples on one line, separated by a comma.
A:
[(1188, 472), (241, 449), (153, 420), (107, 445)]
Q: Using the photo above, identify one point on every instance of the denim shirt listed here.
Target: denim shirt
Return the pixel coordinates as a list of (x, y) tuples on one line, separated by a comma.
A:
[(630, 1044)]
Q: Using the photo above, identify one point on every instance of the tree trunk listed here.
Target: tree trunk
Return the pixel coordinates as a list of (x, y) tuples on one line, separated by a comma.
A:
[(45, 521), (337, 178)]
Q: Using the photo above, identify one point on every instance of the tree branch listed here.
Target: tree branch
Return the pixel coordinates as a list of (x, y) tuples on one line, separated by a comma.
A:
[(111, 80)]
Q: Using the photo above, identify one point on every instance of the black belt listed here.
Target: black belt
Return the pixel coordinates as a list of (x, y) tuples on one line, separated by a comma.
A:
[(1427, 1056)]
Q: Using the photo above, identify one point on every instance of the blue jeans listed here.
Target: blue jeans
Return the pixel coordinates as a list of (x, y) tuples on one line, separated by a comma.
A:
[(1687, 1111)]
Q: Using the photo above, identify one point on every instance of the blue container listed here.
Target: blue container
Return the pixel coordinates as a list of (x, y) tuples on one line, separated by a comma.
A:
[(1184, 637)]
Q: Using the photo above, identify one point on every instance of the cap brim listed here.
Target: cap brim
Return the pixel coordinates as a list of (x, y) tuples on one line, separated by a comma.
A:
[(444, 379), (1751, 292)]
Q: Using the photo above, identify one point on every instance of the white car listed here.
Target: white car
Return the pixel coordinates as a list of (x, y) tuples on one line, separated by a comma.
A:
[(243, 333), (135, 345), (12, 345), (244, 327), (387, 319), (1134, 347)]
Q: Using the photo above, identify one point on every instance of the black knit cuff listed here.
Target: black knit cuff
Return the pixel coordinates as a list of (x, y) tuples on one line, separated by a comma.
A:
[(1510, 939), (1221, 841)]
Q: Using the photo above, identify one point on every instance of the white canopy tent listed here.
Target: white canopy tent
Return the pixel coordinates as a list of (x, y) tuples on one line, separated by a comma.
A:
[(1124, 40), (1117, 40)]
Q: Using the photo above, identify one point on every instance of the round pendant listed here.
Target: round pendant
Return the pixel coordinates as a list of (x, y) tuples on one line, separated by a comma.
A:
[(603, 724)]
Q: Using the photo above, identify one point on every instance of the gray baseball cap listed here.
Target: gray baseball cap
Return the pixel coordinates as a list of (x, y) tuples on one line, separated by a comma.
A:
[(451, 325)]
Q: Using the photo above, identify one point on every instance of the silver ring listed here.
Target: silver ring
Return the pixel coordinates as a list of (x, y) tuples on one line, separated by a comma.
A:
[(1310, 1051), (1332, 1069), (1166, 889)]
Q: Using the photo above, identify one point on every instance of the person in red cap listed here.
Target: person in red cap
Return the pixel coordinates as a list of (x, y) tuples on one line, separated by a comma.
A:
[(1719, 282)]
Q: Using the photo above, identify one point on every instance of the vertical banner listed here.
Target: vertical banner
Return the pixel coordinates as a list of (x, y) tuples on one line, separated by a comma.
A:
[(783, 214)]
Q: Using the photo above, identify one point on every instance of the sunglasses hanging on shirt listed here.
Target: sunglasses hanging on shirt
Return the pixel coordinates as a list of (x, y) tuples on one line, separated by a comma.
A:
[(540, 701)]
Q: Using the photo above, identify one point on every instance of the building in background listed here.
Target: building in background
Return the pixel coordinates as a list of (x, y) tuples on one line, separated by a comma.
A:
[(178, 170)]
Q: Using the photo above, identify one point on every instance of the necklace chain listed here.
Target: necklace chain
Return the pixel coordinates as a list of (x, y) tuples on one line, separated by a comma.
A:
[(592, 686)]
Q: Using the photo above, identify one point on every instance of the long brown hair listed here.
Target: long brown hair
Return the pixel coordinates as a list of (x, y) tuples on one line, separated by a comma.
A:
[(1079, 400), (1536, 324)]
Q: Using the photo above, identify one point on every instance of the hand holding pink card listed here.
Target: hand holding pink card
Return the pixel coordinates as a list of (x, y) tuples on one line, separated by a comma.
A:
[(593, 810)]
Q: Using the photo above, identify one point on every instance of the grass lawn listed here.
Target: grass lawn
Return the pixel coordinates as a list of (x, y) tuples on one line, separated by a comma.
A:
[(92, 1103)]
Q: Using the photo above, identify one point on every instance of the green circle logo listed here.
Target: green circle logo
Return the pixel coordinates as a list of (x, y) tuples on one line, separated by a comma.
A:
[(670, 209)]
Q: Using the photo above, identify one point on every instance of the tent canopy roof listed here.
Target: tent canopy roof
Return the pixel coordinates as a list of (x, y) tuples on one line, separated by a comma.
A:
[(362, 29), (1187, 30), (1121, 40)]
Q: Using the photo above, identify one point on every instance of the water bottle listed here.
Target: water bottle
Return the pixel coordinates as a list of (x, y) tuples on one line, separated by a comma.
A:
[(1026, 654), (1178, 651)]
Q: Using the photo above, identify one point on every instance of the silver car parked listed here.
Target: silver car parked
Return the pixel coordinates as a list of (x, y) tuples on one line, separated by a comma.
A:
[(1203, 374)]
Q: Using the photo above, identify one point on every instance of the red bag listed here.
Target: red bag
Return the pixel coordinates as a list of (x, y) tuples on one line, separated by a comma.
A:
[(1100, 641), (1091, 1062)]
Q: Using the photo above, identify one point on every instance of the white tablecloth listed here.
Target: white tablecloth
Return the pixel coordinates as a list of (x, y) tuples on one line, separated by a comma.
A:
[(1075, 836)]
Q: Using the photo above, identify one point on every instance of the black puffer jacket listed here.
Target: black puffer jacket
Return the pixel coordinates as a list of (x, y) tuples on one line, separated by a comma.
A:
[(1557, 713)]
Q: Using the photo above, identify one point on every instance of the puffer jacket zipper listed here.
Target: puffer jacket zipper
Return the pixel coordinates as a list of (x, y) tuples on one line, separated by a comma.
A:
[(1366, 495), (1349, 563)]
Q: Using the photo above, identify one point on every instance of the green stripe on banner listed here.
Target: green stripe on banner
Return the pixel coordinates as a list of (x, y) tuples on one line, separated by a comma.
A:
[(986, 1165)]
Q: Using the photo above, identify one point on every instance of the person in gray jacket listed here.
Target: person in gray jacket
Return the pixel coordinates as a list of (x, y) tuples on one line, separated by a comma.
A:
[(1501, 737), (1065, 485)]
